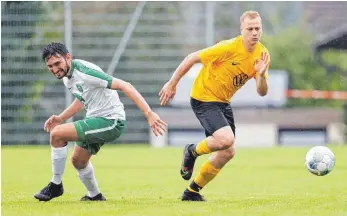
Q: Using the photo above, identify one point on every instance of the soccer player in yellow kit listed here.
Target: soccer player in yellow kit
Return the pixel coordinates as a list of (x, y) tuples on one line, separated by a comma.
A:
[(227, 66)]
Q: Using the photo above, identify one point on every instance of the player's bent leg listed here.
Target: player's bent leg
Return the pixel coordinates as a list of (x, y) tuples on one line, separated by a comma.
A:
[(205, 175), (62, 134), (217, 120), (85, 170), (93, 133), (221, 139), (58, 139), (220, 158), (208, 172), (80, 157), (212, 119)]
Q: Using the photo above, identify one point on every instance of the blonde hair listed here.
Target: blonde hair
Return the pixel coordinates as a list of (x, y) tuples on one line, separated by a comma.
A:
[(249, 14)]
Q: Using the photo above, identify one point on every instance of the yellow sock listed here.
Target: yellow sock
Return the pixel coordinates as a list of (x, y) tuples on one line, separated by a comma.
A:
[(202, 148), (206, 174)]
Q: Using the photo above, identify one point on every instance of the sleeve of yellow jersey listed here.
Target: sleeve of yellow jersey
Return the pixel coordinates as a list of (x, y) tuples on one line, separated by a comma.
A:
[(215, 53), (267, 69)]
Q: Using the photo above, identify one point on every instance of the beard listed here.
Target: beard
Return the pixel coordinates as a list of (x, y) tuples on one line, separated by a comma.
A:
[(65, 71)]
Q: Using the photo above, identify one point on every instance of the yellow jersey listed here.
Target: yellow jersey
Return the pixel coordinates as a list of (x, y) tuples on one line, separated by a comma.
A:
[(227, 66)]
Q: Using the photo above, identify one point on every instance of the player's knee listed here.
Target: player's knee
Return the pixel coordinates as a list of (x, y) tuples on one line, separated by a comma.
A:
[(56, 137), (78, 163), (226, 141), (229, 153)]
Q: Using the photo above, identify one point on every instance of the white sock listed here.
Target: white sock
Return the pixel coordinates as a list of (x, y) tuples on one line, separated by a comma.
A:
[(58, 156), (87, 177)]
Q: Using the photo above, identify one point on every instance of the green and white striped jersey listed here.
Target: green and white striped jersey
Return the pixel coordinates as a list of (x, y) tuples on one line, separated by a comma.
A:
[(91, 85)]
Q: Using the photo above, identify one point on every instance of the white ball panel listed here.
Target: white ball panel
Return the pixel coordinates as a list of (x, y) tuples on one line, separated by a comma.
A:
[(321, 167), (326, 159)]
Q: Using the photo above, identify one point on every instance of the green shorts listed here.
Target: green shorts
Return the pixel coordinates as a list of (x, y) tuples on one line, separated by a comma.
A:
[(94, 132)]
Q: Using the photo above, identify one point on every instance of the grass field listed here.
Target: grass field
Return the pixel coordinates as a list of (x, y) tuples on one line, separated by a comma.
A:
[(139, 180)]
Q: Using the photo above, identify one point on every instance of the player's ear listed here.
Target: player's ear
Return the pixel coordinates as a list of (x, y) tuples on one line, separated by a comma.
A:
[(68, 56)]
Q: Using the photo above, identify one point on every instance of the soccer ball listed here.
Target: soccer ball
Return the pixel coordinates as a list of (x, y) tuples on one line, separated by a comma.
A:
[(320, 160)]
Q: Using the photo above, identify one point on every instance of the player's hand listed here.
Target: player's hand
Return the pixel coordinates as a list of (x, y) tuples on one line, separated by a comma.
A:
[(53, 121), (167, 93), (261, 65), (157, 125)]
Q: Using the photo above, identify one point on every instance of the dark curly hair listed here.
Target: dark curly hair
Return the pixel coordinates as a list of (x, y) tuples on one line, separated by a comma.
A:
[(53, 49)]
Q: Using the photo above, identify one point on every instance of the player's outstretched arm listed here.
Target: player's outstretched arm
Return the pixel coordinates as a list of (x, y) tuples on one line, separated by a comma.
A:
[(55, 120), (169, 89), (157, 125)]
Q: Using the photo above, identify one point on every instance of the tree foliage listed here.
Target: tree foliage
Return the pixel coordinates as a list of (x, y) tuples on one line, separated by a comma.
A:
[(292, 50)]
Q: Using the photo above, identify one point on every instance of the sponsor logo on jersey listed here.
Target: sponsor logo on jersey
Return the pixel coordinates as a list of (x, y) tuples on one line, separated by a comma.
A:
[(79, 87)]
